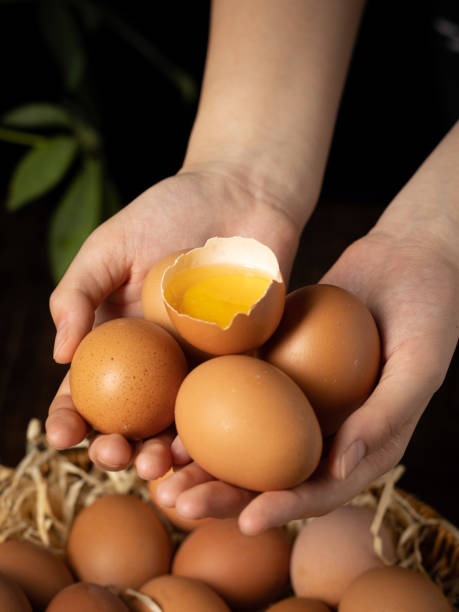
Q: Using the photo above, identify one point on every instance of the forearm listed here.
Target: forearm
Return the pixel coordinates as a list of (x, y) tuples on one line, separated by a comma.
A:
[(274, 76), (426, 210)]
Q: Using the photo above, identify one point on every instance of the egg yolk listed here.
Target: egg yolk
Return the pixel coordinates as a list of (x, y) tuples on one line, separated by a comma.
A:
[(216, 292)]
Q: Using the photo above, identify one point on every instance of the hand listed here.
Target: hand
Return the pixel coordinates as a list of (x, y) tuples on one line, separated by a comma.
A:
[(412, 288), (105, 281)]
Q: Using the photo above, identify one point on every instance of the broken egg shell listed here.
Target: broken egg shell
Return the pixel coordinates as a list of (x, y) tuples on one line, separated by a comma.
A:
[(154, 309), (246, 331)]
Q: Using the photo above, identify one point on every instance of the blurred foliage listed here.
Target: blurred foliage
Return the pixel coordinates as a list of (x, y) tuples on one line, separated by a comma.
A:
[(66, 148)]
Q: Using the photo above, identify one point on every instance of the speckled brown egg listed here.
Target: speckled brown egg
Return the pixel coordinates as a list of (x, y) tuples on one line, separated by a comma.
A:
[(298, 604), (180, 594), (12, 598), (86, 597), (332, 550), (38, 572), (329, 344), (171, 513), (124, 377), (247, 423), (393, 589), (118, 540), (247, 571)]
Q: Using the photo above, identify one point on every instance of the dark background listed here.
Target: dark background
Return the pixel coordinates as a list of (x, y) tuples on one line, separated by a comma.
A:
[(401, 97)]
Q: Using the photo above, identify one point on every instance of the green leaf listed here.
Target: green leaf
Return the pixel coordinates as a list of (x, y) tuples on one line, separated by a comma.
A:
[(77, 215), (39, 114), (63, 38), (40, 170)]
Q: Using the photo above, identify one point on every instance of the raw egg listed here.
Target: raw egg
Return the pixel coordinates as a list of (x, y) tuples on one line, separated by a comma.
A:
[(12, 598), (394, 589), (118, 540), (247, 571), (171, 513), (180, 594), (332, 550), (124, 377), (86, 597), (329, 344), (225, 297), (38, 572), (298, 604), (247, 423)]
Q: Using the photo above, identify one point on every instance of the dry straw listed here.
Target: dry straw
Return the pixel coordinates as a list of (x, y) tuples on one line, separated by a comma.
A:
[(41, 496)]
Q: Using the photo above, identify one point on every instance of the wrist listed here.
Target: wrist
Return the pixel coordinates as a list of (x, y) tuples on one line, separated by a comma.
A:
[(282, 179)]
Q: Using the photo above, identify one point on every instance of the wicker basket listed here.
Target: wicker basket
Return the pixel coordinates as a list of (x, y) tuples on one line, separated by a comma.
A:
[(41, 496)]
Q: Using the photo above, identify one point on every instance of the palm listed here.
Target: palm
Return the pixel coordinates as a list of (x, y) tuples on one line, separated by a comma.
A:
[(413, 293)]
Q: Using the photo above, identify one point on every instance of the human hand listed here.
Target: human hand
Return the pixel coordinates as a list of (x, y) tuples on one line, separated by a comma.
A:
[(412, 288), (105, 281)]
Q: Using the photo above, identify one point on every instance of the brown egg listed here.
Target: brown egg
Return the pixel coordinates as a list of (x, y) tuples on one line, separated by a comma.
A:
[(152, 302), (247, 571), (179, 594), (124, 377), (12, 598), (332, 550), (171, 513), (239, 264), (392, 589), (38, 572), (298, 604), (247, 423), (86, 597), (329, 344), (118, 540)]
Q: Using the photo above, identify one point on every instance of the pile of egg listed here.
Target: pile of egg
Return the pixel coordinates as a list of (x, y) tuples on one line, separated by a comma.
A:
[(266, 384), (120, 558)]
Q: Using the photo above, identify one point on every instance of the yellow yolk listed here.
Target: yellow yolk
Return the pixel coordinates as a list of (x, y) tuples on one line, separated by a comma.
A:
[(216, 292)]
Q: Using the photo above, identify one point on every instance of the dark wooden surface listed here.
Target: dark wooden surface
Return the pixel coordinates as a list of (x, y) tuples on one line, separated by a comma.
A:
[(29, 377)]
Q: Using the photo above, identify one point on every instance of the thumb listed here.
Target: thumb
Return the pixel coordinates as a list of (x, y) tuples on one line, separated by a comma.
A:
[(381, 429), (96, 271)]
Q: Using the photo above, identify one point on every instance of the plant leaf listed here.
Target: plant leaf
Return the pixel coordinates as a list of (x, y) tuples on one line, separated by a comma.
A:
[(77, 215), (40, 170), (63, 38), (39, 114)]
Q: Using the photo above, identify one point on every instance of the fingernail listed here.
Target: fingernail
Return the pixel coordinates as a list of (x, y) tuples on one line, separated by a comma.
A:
[(351, 458), (60, 339)]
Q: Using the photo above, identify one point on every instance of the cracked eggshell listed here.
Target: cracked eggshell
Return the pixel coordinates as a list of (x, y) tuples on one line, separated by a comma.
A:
[(246, 331), (154, 308)]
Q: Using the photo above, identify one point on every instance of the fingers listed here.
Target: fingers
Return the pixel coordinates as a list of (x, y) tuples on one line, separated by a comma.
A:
[(195, 494), (386, 421), (93, 274), (180, 455), (154, 456), (111, 452), (64, 426), (370, 442)]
